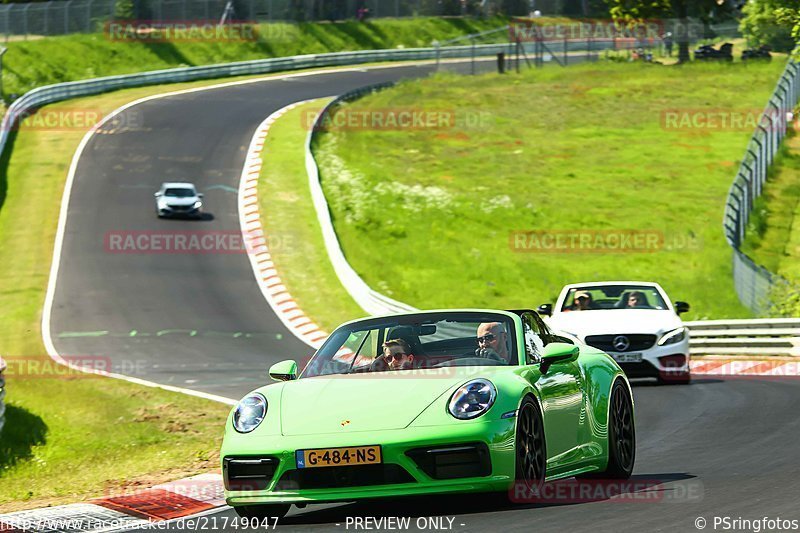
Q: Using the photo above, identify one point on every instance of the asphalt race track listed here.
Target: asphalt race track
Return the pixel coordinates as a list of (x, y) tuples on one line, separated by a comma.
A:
[(188, 320), (719, 447), (714, 448)]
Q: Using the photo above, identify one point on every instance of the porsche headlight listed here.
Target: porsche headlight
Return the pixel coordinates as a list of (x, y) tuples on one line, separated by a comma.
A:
[(671, 337), (249, 413), (197, 205), (472, 399)]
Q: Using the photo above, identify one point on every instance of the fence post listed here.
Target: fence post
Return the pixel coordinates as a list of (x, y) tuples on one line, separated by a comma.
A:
[(25, 14), (472, 63), (66, 16)]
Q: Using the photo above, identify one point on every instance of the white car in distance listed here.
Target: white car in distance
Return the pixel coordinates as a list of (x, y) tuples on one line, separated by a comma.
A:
[(633, 321), (176, 199)]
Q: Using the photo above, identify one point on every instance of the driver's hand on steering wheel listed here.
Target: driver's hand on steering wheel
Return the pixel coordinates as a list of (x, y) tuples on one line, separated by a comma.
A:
[(488, 353)]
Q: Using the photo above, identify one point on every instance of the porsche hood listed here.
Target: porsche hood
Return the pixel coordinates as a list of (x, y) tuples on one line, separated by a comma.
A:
[(361, 402)]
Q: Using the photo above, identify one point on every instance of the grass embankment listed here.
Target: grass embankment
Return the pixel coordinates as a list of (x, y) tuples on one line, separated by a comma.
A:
[(773, 234), (290, 222), (427, 215), (75, 438), (29, 64)]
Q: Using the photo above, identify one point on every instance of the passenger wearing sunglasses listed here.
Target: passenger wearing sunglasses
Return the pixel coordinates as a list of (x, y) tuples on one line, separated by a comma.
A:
[(492, 341)]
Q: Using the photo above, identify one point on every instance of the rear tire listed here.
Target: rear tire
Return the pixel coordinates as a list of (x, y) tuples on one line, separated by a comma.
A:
[(531, 451), (621, 433), (275, 510)]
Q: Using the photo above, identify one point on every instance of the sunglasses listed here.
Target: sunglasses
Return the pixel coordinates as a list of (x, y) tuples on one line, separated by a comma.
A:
[(489, 337), (393, 356)]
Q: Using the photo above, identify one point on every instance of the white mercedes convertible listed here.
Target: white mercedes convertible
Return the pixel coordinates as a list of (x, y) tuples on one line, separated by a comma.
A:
[(633, 321)]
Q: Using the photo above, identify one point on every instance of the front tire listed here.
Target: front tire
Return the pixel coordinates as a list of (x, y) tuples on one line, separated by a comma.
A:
[(621, 433), (275, 510), (531, 450)]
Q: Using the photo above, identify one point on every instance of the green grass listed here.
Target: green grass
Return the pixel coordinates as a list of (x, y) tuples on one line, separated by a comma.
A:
[(290, 222), (29, 64), (426, 215), (773, 234), (70, 439)]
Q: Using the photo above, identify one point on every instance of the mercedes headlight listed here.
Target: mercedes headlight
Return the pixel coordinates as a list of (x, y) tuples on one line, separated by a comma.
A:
[(671, 337), (249, 413), (472, 399)]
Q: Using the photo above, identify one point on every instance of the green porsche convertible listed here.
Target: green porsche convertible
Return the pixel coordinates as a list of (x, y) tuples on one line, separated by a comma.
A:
[(431, 402)]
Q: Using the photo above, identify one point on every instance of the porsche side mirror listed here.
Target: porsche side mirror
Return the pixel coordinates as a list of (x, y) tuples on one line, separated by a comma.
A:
[(157, 194), (200, 195), (283, 371), (557, 352), (545, 309), (681, 307)]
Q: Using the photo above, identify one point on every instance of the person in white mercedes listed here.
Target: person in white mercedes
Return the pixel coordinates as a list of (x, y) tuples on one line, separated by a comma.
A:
[(633, 321)]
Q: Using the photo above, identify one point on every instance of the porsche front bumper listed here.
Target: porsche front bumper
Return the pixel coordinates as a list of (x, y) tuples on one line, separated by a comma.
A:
[(475, 457)]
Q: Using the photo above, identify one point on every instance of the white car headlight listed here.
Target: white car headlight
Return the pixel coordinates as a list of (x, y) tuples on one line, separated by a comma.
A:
[(197, 205), (671, 337), (472, 399), (249, 413)]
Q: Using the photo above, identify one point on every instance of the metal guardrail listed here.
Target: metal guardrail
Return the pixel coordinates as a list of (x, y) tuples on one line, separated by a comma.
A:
[(371, 301), (778, 336), (62, 91), (753, 283)]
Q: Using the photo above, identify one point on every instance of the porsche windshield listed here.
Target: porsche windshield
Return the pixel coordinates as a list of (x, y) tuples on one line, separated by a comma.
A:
[(603, 297), (421, 341)]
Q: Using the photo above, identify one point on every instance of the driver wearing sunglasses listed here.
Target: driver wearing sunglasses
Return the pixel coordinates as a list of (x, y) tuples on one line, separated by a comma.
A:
[(397, 355), (492, 341)]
